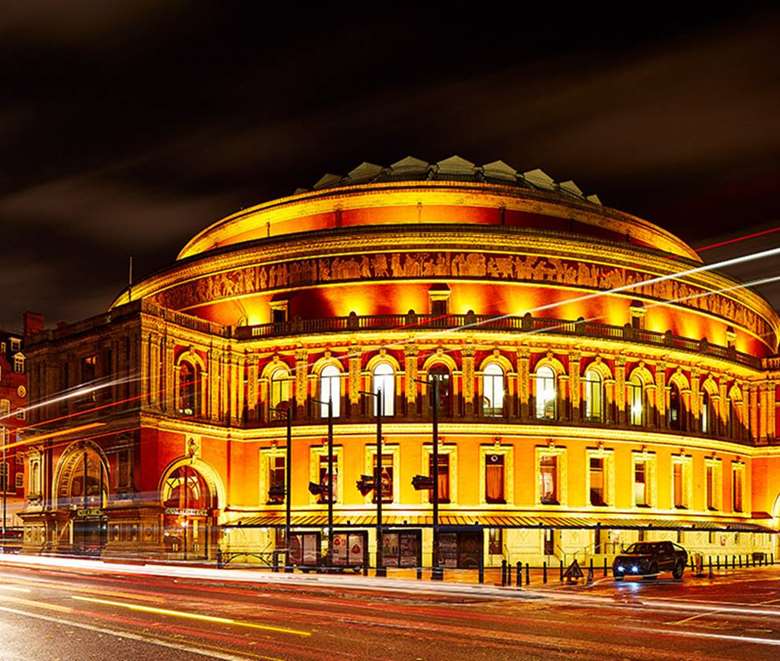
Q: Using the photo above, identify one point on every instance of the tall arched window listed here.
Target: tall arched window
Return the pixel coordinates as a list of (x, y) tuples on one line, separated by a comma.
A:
[(704, 414), (546, 393), (189, 389), (636, 400), (594, 395), (280, 392), (675, 407), (440, 373), (493, 390), (384, 381), (330, 390)]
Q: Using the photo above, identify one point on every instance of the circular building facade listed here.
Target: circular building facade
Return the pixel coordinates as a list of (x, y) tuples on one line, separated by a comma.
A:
[(596, 383)]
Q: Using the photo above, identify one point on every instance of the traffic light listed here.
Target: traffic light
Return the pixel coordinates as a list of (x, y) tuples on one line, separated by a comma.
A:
[(421, 482), (316, 489), (365, 484)]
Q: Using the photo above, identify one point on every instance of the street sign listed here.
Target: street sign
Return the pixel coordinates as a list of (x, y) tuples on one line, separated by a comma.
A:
[(573, 571), (421, 482)]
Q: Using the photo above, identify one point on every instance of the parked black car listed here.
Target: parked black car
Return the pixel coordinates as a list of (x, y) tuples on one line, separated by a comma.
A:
[(649, 559)]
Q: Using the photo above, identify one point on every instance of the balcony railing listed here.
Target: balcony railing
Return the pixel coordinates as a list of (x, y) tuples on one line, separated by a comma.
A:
[(511, 324)]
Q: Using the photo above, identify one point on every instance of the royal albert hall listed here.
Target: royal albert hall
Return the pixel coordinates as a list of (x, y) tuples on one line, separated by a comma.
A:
[(595, 385)]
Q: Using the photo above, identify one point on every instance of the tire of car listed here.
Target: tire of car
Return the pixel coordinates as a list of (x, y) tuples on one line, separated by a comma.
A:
[(679, 569), (617, 576)]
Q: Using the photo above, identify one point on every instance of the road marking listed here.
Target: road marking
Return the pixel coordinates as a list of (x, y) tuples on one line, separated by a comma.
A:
[(212, 654), (39, 604), (193, 616), (775, 642), (14, 588)]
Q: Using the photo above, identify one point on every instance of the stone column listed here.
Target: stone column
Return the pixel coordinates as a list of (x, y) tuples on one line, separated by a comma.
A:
[(468, 380), (251, 388), (240, 388), (168, 394), (723, 408), (301, 373), (620, 390), (763, 420), (660, 395), (523, 377), (410, 367), (609, 397), (214, 363), (154, 376), (575, 387), (752, 392), (696, 401), (564, 398)]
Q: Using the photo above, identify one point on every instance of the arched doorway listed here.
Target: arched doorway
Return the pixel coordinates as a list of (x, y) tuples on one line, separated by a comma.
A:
[(82, 490), (188, 514)]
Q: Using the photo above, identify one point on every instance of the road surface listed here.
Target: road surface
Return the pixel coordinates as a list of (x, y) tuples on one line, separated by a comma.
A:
[(103, 612)]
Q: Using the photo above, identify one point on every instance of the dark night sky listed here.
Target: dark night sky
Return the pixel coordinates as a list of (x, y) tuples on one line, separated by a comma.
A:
[(127, 127)]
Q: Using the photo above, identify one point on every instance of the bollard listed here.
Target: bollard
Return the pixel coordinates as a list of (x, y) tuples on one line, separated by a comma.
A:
[(733, 562), (544, 572), (591, 567), (561, 573), (509, 573), (503, 572), (219, 558), (481, 569), (717, 562), (693, 566), (419, 573), (527, 573), (275, 567), (772, 558), (519, 577), (605, 566), (709, 558), (365, 569), (739, 557)]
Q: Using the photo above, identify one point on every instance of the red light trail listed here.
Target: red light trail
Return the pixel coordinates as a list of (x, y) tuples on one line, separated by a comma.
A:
[(738, 239)]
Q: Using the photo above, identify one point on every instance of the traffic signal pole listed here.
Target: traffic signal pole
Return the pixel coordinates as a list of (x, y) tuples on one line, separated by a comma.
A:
[(288, 493), (380, 564), (331, 495), (436, 572)]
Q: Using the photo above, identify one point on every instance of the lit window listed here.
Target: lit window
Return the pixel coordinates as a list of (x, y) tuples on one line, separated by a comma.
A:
[(675, 408), (545, 393), (641, 491), (681, 481), (548, 480), (276, 479), (493, 390), (387, 478), (705, 413), (736, 489), (594, 395), (323, 474), (16, 344), (280, 392), (189, 389), (4, 468), (443, 476), (712, 477), (597, 481), (441, 374), (494, 478), (19, 480), (21, 414), (636, 413), (330, 390), (5, 408), (19, 363), (384, 383)]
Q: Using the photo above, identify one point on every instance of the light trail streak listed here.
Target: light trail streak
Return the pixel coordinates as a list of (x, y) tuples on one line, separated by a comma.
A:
[(208, 653), (738, 239), (53, 434), (193, 616)]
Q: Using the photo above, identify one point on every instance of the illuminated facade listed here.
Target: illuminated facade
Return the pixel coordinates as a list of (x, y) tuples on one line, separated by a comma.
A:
[(595, 388)]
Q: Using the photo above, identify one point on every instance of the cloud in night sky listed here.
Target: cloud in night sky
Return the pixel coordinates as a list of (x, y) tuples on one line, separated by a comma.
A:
[(127, 129)]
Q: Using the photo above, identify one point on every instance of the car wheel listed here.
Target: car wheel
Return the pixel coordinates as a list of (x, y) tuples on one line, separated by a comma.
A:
[(616, 576), (678, 570)]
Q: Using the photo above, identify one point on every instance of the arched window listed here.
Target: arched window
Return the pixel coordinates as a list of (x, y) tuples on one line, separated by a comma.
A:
[(675, 407), (384, 381), (636, 401), (440, 373), (493, 390), (546, 393), (280, 392), (330, 390), (594, 395), (704, 414), (189, 389)]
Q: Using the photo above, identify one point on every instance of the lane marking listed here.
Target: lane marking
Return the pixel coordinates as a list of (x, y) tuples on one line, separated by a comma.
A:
[(193, 616), (39, 604), (775, 642), (14, 588), (211, 654)]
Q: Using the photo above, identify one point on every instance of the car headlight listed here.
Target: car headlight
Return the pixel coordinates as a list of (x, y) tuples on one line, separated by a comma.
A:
[(635, 569)]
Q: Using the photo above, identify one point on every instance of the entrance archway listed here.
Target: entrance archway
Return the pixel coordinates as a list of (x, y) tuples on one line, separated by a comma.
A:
[(189, 506), (81, 487)]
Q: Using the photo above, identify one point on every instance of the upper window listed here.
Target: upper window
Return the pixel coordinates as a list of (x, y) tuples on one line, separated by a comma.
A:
[(383, 384), (16, 344), (594, 395), (636, 407), (443, 475), (737, 473), (495, 469), (188, 389), (330, 390), (19, 363), (675, 407), (546, 393), (440, 373), (598, 487), (280, 391), (705, 413), (386, 478), (548, 480), (641, 484), (493, 390), (5, 408)]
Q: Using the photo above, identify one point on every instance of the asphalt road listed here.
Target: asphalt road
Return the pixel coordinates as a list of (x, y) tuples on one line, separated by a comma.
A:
[(86, 613)]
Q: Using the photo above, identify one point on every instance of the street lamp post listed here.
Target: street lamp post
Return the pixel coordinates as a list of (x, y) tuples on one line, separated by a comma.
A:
[(432, 481), (287, 411), (314, 489), (381, 570)]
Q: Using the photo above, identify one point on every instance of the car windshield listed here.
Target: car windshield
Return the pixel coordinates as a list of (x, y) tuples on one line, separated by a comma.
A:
[(643, 548)]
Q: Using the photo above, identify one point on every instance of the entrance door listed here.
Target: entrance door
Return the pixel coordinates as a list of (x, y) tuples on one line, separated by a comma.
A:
[(549, 541), (89, 534), (187, 516), (305, 548), (350, 548), (462, 549)]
